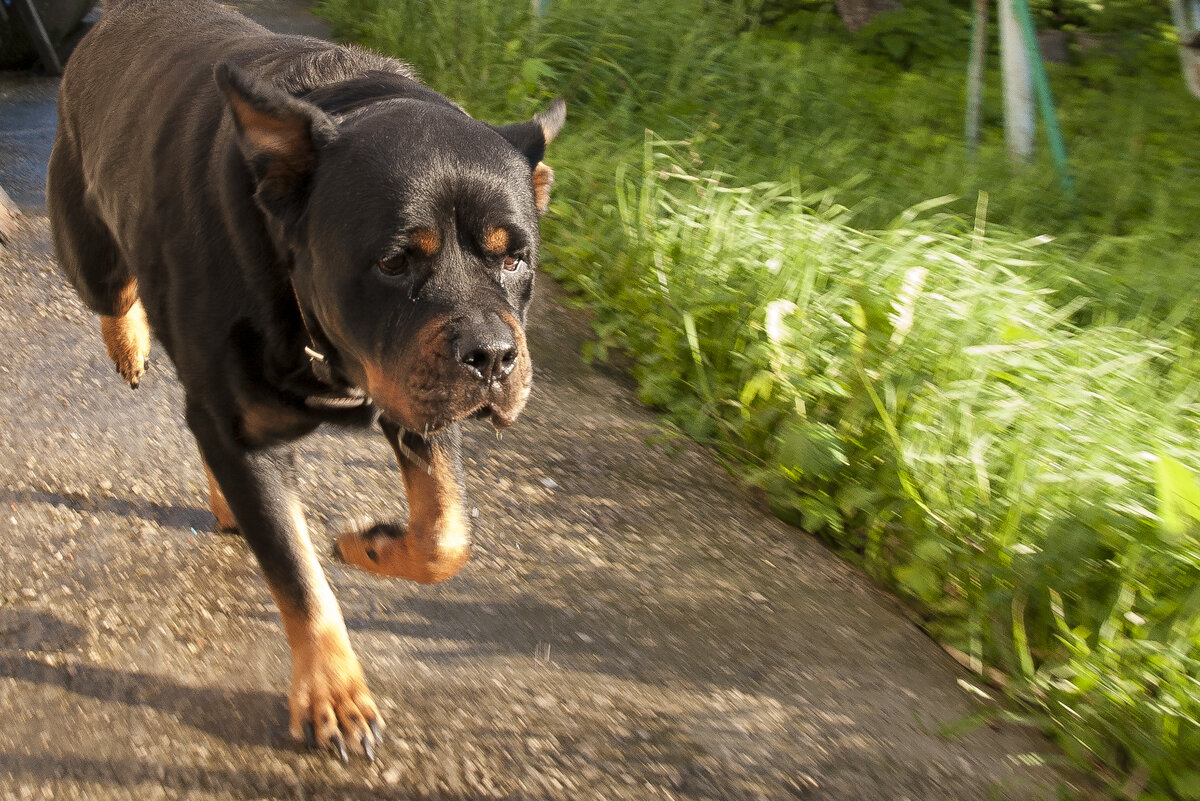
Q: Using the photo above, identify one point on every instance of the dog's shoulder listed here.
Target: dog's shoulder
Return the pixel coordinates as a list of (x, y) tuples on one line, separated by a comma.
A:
[(126, 15)]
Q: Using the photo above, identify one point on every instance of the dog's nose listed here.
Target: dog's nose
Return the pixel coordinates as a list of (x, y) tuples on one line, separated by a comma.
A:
[(488, 349)]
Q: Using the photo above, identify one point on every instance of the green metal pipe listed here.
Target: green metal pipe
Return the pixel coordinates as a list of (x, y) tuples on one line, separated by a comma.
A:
[(1041, 85)]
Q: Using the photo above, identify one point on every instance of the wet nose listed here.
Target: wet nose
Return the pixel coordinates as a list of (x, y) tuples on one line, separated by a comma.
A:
[(487, 349)]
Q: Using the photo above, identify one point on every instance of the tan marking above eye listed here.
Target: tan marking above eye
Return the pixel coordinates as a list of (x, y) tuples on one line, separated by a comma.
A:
[(495, 240), (427, 241)]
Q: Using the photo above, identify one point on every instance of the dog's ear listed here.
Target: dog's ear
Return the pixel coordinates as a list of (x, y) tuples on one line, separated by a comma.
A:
[(279, 137), (530, 139)]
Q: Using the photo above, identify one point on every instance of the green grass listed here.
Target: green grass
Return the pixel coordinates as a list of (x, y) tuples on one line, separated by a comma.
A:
[(989, 400), (911, 396)]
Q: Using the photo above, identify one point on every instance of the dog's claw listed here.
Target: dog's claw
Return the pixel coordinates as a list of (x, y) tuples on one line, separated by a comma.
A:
[(368, 749), (339, 744), (376, 731), (310, 736)]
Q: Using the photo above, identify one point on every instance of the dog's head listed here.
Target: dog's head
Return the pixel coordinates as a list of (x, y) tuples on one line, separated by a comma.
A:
[(413, 235)]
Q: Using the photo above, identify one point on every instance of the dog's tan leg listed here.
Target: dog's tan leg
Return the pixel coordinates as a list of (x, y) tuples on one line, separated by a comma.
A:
[(218, 504), (127, 336), (436, 543)]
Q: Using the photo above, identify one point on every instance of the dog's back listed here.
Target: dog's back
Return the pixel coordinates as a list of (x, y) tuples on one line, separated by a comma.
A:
[(139, 84), (141, 117)]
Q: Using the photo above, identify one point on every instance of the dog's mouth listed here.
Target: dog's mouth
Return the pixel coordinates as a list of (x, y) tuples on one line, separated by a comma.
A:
[(501, 407), (435, 422), (499, 420)]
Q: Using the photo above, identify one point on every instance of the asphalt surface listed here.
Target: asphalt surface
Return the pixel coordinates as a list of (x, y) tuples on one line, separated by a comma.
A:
[(632, 625)]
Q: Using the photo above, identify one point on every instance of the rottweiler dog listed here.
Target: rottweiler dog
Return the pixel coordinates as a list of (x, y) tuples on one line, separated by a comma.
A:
[(313, 236)]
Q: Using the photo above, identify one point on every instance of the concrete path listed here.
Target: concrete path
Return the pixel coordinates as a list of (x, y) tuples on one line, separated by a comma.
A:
[(632, 625)]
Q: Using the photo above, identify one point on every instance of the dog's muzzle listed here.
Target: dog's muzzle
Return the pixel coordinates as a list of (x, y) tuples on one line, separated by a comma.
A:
[(471, 366), (486, 348)]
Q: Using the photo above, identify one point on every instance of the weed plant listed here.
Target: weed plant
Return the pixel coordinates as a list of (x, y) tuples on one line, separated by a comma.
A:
[(912, 396), (999, 425)]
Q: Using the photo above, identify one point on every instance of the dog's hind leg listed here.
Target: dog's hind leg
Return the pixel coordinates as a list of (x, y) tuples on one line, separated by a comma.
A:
[(127, 338), (92, 261), (217, 503)]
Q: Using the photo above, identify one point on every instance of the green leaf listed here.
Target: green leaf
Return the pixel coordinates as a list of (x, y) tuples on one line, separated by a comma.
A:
[(760, 384), (896, 44), (1178, 496), (1186, 783), (921, 581), (930, 551), (811, 449), (817, 515), (534, 69), (855, 498)]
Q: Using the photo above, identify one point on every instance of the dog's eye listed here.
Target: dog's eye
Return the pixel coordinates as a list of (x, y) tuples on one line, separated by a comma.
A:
[(394, 265), (512, 263)]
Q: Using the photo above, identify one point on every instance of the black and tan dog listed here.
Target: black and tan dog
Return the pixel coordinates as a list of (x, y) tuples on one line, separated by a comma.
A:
[(314, 237)]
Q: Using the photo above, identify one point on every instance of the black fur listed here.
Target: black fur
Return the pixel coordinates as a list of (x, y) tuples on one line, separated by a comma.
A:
[(269, 193)]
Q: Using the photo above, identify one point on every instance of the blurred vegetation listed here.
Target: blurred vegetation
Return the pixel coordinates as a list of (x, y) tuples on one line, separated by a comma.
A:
[(1127, 17), (990, 399)]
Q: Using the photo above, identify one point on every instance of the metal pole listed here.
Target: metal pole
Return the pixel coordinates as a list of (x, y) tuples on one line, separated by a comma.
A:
[(1041, 82), (37, 34), (1018, 86), (1179, 17), (975, 65), (1189, 59)]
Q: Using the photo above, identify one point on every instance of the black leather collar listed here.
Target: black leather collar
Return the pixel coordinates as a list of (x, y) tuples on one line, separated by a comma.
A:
[(323, 360)]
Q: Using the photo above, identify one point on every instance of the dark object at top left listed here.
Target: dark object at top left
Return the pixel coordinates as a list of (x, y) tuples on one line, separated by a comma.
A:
[(20, 47)]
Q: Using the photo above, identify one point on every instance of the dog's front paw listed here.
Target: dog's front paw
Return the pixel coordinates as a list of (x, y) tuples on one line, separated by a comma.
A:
[(329, 701), (392, 550)]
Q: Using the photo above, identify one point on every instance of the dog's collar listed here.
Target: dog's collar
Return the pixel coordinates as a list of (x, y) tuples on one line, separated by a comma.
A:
[(342, 394), (322, 360)]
